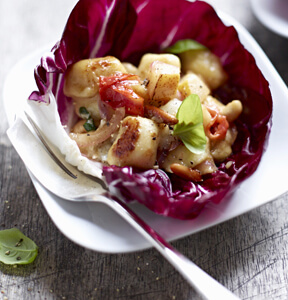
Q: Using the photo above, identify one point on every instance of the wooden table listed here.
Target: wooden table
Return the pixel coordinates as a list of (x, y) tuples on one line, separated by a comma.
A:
[(249, 254)]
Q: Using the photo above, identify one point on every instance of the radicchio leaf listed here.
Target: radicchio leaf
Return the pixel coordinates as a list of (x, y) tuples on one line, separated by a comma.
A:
[(128, 29)]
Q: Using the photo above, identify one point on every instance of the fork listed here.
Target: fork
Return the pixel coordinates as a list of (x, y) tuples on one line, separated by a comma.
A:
[(89, 190)]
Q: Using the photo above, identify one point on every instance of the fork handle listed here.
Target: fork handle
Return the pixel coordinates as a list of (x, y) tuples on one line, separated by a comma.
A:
[(205, 285)]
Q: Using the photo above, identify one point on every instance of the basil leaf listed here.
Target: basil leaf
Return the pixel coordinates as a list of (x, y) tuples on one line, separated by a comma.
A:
[(16, 248), (185, 45), (84, 113), (190, 124), (89, 125)]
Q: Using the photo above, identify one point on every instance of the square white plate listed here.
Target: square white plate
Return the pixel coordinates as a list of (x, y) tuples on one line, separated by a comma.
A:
[(96, 227)]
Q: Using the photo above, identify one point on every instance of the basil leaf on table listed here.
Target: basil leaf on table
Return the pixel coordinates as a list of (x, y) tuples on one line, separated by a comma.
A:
[(185, 45), (16, 248), (190, 124)]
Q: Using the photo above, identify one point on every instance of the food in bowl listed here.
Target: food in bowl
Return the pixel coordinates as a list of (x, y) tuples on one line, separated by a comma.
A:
[(153, 115), (125, 31)]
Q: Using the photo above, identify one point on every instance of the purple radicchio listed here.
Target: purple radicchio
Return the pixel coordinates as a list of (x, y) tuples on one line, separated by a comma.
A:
[(127, 29)]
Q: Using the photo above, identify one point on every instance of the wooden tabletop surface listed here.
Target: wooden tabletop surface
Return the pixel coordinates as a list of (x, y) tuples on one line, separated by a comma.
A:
[(248, 254)]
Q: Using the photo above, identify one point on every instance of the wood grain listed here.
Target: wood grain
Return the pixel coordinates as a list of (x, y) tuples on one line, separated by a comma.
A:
[(248, 254)]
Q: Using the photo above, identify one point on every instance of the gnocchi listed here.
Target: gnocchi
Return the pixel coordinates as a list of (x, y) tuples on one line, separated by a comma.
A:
[(134, 111)]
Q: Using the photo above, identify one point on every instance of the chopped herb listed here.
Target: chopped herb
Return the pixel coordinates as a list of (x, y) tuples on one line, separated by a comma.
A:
[(89, 125), (84, 113)]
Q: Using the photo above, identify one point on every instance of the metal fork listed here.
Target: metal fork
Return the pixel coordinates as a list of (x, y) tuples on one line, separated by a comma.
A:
[(77, 187)]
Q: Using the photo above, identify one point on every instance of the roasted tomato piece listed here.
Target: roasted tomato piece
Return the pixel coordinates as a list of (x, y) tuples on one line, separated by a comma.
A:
[(117, 92), (217, 128)]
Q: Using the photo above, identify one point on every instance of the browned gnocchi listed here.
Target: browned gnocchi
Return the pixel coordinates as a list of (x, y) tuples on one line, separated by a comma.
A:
[(126, 114)]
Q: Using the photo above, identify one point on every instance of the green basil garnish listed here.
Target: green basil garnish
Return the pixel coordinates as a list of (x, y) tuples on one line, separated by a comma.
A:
[(190, 127), (185, 45)]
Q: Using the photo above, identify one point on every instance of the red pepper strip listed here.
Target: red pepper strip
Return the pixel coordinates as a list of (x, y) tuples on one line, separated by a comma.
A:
[(218, 126), (116, 91)]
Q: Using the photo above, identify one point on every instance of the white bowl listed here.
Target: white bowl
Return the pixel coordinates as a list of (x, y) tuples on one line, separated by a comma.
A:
[(96, 227)]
